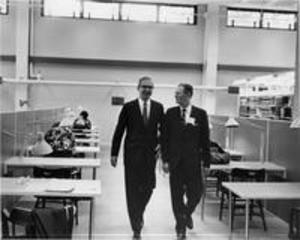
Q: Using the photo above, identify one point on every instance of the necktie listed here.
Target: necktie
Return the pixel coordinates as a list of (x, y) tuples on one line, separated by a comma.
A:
[(145, 118), (183, 114)]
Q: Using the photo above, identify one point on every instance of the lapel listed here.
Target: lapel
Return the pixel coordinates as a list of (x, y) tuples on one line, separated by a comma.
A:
[(138, 111), (151, 114)]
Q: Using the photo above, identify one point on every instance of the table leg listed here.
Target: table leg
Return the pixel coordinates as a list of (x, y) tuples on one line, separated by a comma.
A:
[(204, 194), (247, 220), (94, 173), (230, 211), (91, 218)]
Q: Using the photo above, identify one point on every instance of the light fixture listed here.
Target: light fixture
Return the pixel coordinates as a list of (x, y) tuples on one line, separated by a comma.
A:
[(232, 123), (295, 123), (41, 147)]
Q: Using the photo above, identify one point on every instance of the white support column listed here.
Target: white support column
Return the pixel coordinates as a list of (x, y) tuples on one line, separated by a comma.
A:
[(210, 58), (22, 52), (296, 100)]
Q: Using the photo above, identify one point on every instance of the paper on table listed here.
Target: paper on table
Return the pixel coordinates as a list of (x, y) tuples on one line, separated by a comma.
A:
[(56, 186)]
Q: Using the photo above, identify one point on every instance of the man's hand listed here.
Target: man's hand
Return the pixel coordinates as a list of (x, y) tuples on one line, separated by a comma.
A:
[(114, 161), (206, 171), (165, 167)]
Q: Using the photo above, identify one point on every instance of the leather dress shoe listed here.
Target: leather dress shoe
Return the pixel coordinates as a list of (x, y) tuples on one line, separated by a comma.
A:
[(136, 235), (189, 223), (181, 236)]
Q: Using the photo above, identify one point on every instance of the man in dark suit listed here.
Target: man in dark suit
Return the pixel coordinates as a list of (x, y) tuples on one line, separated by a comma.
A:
[(142, 119), (185, 152)]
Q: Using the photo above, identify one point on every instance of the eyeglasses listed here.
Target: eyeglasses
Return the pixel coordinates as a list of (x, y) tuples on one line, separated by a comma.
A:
[(149, 87)]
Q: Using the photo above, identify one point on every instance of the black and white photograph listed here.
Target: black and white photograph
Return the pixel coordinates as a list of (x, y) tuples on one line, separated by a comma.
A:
[(150, 119)]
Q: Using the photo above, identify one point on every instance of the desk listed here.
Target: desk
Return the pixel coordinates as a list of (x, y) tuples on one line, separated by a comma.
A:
[(89, 135), (87, 140), (54, 162), (82, 190), (234, 154), (261, 191), (268, 166), (87, 149)]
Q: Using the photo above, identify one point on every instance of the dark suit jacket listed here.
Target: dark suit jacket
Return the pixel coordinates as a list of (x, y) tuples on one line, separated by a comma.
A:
[(189, 143), (141, 141)]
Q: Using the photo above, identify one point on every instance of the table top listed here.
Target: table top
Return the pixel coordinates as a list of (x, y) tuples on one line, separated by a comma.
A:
[(87, 140), (268, 166), (90, 135), (265, 190), (233, 152), (52, 162), (50, 187), (87, 149)]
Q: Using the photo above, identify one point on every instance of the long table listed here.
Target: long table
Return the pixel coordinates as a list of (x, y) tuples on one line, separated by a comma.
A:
[(260, 191), (82, 190), (251, 165), (88, 149), (54, 162)]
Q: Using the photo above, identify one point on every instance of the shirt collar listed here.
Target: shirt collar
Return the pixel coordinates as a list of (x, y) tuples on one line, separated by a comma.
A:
[(188, 109)]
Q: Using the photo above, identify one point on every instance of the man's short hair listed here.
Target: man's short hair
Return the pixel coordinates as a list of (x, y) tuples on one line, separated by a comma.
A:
[(144, 78), (187, 89)]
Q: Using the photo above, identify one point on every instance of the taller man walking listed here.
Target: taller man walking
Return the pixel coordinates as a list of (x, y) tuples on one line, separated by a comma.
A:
[(142, 119)]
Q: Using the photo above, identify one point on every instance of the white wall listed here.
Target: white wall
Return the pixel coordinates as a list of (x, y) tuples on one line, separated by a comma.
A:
[(97, 39), (256, 47)]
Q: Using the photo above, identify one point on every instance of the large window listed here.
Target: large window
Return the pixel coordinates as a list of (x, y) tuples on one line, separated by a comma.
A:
[(279, 20), (120, 11), (100, 10), (266, 19), (62, 8), (3, 6), (243, 18), (139, 12), (177, 14)]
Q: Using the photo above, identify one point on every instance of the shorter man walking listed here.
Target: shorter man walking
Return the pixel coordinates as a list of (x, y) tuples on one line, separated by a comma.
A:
[(185, 151)]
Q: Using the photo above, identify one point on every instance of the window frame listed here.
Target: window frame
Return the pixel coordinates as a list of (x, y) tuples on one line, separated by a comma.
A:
[(73, 17), (280, 12), (195, 18), (244, 10), (262, 11), (119, 17)]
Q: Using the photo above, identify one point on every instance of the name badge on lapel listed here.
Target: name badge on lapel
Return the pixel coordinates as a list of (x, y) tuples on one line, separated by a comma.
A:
[(191, 120)]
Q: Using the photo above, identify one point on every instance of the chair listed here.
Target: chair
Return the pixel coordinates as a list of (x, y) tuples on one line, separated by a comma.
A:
[(294, 225), (243, 175), (39, 223)]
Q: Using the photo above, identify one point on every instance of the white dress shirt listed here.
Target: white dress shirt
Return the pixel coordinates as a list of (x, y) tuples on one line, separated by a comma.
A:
[(188, 111), (141, 104)]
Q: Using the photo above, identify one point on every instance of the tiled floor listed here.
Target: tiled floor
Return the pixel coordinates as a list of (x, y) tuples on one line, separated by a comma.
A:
[(111, 221)]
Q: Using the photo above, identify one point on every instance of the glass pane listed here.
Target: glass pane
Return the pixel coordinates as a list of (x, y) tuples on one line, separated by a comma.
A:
[(101, 10), (243, 18), (62, 8), (173, 14), (279, 20), (3, 6), (139, 12)]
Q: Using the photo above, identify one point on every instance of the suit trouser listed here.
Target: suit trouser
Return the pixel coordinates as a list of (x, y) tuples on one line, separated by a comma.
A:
[(137, 198), (185, 183)]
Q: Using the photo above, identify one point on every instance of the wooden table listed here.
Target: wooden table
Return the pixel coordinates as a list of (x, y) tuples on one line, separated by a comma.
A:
[(54, 162), (260, 191), (82, 190)]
